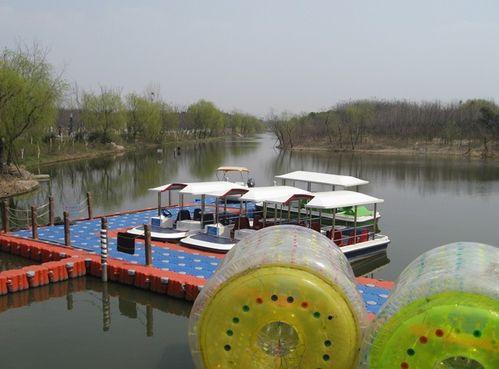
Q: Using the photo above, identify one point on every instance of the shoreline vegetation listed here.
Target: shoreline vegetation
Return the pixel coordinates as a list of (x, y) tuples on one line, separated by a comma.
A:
[(468, 129), (43, 119)]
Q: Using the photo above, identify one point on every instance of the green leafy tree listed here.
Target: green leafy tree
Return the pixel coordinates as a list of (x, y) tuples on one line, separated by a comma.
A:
[(170, 118), (144, 117), (29, 94), (205, 115), (103, 114), (243, 123)]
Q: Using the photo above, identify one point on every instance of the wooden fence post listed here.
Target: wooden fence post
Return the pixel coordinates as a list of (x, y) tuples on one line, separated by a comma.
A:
[(67, 229), (89, 205), (34, 223), (5, 216), (51, 211), (147, 242)]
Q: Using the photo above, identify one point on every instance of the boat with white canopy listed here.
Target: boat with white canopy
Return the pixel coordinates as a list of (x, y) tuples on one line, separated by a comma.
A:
[(278, 196), (163, 226), (215, 236), (223, 174), (356, 240), (344, 215), (174, 221)]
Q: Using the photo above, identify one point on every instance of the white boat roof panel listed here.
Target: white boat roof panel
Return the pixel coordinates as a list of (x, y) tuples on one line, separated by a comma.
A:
[(216, 189), (323, 178), (169, 186), (340, 199), (232, 169), (276, 194)]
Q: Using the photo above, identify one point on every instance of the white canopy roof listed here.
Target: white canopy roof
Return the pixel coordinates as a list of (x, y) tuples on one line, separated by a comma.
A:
[(323, 178), (232, 169), (340, 199), (276, 194), (216, 189), (169, 186)]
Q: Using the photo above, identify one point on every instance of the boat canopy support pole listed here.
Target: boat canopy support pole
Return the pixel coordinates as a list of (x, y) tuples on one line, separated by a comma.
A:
[(334, 223), (203, 200), (264, 213), (159, 204), (169, 198), (375, 221), (216, 210), (355, 225)]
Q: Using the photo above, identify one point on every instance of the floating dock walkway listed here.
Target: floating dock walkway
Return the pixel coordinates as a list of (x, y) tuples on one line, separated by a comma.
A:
[(176, 270)]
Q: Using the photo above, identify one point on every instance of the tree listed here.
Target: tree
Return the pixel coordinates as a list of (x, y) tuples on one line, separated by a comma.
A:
[(144, 117), (29, 93), (243, 123), (205, 115), (104, 113), (170, 118)]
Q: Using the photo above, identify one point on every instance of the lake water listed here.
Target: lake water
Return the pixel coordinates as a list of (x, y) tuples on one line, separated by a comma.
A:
[(429, 201)]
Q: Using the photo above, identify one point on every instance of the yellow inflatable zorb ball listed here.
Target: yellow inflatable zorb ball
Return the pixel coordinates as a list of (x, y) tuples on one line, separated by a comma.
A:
[(442, 314), (284, 297)]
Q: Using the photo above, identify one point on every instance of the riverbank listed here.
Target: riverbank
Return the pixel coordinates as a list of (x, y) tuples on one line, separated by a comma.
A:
[(72, 152), (16, 181), (417, 149)]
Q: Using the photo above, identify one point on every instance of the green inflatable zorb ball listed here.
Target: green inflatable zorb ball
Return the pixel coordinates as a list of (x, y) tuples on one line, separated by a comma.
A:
[(442, 314)]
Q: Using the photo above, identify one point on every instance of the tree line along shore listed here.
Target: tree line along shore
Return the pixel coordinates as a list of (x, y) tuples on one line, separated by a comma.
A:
[(44, 118), (468, 128)]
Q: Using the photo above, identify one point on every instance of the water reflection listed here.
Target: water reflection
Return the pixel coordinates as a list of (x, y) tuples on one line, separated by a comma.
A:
[(8, 262), (132, 303), (424, 174), (370, 265)]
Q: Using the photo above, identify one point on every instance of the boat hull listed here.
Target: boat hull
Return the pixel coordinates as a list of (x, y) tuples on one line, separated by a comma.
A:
[(355, 252)]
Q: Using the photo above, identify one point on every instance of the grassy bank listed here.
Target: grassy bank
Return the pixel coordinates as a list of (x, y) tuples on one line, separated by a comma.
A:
[(465, 149), (34, 155)]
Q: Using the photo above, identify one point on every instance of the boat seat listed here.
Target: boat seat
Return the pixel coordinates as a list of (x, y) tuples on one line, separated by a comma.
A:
[(352, 238), (208, 218), (316, 226), (197, 214), (338, 239), (257, 223), (364, 236), (183, 214)]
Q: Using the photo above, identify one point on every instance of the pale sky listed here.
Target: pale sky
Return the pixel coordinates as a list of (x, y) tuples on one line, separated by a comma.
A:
[(256, 55)]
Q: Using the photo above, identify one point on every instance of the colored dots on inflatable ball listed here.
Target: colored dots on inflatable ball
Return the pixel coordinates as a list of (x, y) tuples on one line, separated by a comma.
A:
[(442, 314), (284, 297)]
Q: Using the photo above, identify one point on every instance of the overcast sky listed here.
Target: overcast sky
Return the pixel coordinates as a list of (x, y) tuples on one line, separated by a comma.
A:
[(272, 54)]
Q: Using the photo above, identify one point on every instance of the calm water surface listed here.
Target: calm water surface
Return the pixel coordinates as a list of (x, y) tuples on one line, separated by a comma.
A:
[(428, 202)]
